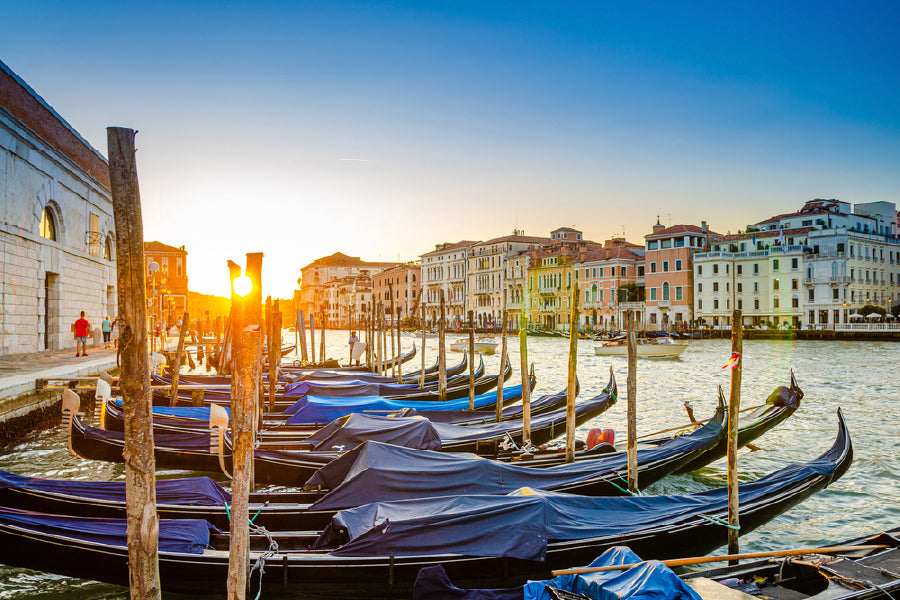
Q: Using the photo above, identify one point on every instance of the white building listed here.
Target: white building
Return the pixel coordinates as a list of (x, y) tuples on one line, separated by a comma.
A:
[(444, 270), (57, 230)]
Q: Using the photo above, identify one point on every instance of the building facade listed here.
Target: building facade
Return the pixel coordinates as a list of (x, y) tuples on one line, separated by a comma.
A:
[(405, 282), (167, 283), (57, 232), (669, 275), (611, 280), (444, 272)]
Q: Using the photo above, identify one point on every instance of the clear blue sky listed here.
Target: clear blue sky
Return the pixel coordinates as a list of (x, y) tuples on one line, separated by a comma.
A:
[(379, 129)]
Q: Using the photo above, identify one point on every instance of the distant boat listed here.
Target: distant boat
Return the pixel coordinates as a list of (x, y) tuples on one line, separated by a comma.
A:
[(483, 345), (658, 347)]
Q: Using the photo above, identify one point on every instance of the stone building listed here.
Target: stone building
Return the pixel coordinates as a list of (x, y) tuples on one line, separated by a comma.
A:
[(57, 232), (406, 283), (444, 270), (167, 285), (611, 280)]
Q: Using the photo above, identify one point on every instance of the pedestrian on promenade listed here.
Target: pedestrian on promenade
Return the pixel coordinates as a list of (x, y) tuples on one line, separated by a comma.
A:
[(353, 340), (82, 329), (106, 328)]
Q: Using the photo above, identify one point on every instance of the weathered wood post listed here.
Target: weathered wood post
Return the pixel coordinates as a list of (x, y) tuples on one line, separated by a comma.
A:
[(503, 352), (442, 354), (140, 466), (571, 384), (399, 351), (422, 328), (526, 384), (276, 359), (471, 360), (390, 325), (632, 402), (312, 336), (379, 339), (176, 368), (734, 407), (301, 329), (322, 338)]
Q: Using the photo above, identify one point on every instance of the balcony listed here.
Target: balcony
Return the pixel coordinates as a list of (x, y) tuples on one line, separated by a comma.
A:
[(631, 305), (664, 303)]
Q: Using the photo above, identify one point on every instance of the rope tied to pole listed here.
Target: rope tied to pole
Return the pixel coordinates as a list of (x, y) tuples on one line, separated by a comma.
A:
[(718, 521), (260, 563)]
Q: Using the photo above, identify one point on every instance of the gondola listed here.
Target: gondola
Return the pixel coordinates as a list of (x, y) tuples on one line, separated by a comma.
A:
[(371, 472), (334, 365), (376, 550), (292, 463)]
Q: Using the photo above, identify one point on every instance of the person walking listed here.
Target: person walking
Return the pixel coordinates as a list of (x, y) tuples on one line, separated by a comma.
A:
[(82, 330), (106, 328), (353, 340)]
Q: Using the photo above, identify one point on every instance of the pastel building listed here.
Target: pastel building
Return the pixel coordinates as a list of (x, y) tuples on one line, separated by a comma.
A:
[(405, 281), (444, 271), (611, 280)]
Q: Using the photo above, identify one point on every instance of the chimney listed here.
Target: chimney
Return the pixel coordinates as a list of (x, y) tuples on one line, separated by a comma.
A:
[(659, 226), (703, 227)]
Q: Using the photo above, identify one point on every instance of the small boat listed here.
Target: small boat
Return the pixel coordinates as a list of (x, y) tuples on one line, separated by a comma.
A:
[(376, 550), (656, 347), (483, 345)]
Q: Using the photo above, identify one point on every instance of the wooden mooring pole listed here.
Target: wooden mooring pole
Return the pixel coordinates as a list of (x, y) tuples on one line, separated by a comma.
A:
[(526, 388), (390, 325), (142, 528), (275, 359), (442, 354), (422, 328), (572, 377), (322, 338), (399, 350), (301, 330), (734, 407), (503, 352), (176, 368), (312, 336), (471, 360), (632, 402)]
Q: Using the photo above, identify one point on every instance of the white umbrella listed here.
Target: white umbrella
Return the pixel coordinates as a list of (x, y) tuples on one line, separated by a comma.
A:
[(874, 316), (856, 315), (889, 316)]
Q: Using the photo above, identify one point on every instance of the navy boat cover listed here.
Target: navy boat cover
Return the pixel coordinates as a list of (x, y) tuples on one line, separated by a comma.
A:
[(201, 413), (192, 490), (650, 580), (521, 524), (352, 430), (380, 472), (187, 536), (324, 409)]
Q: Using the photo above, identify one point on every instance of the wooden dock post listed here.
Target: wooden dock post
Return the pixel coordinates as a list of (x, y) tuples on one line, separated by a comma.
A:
[(399, 351), (379, 339), (275, 360), (301, 329), (526, 387), (503, 352), (253, 317), (471, 361), (390, 326), (176, 368), (312, 337), (572, 377), (322, 337), (632, 402), (442, 354), (734, 407), (422, 328), (140, 465)]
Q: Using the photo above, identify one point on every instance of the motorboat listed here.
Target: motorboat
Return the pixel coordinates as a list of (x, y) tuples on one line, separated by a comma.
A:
[(483, 345), (656, 347)]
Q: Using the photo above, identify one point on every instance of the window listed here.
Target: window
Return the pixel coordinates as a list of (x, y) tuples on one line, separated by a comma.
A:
[(653, 293), (699, 288), (812, 294), (652, 245), (612, 271), (715, 268), (623, 271), (840, 247), (594, 272), (107, 252), (94, 236), (48, 225), (795, 302), (640, 270), (774, 284), (795, 284), (716, 303), (756, 303), (653, 267), (665, 266), (699, 269), (835, 294), (666, 244), (740, 305), (699, 303), (740, 269), (740, 287), (600, 272), (755, 287), (756, 268), (715, 286), (678, 293), (775, 302), (678, 265), (665, 290), (775, 264), (794, 263)]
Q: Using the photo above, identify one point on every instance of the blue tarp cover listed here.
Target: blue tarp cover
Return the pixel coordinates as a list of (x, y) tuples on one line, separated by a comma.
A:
[(195, 441), (353, 430), (201, 413), (187, 536), (520, 525), (193, 490), (650, 580), (318, 409), (380, 472)]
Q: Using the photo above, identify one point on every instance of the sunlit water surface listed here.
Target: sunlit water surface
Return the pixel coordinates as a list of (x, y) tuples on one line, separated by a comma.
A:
[(859, 377)]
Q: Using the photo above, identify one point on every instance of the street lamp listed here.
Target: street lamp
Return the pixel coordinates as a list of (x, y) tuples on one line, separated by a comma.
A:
[(153, 269)]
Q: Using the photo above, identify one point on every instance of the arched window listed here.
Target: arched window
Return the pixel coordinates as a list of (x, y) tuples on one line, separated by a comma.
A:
[(665, 290), (594, 292), (834, 269), (48, 225), (107, 249)]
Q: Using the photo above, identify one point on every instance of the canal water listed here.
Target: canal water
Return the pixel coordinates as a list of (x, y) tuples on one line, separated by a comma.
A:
[(859, 377)]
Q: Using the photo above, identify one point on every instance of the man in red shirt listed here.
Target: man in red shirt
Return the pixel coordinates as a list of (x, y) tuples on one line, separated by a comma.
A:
[(82, 330)]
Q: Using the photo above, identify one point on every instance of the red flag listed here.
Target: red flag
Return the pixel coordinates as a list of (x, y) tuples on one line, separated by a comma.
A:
[(733, 361)]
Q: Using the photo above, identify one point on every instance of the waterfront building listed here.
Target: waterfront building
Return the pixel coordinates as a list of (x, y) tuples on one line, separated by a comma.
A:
[(760, 273), (669, 254), (316, 296), (405, 281), (611, 280), (57, 230), (444, 270), (167, 282), (346, 300), (486, 272)]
